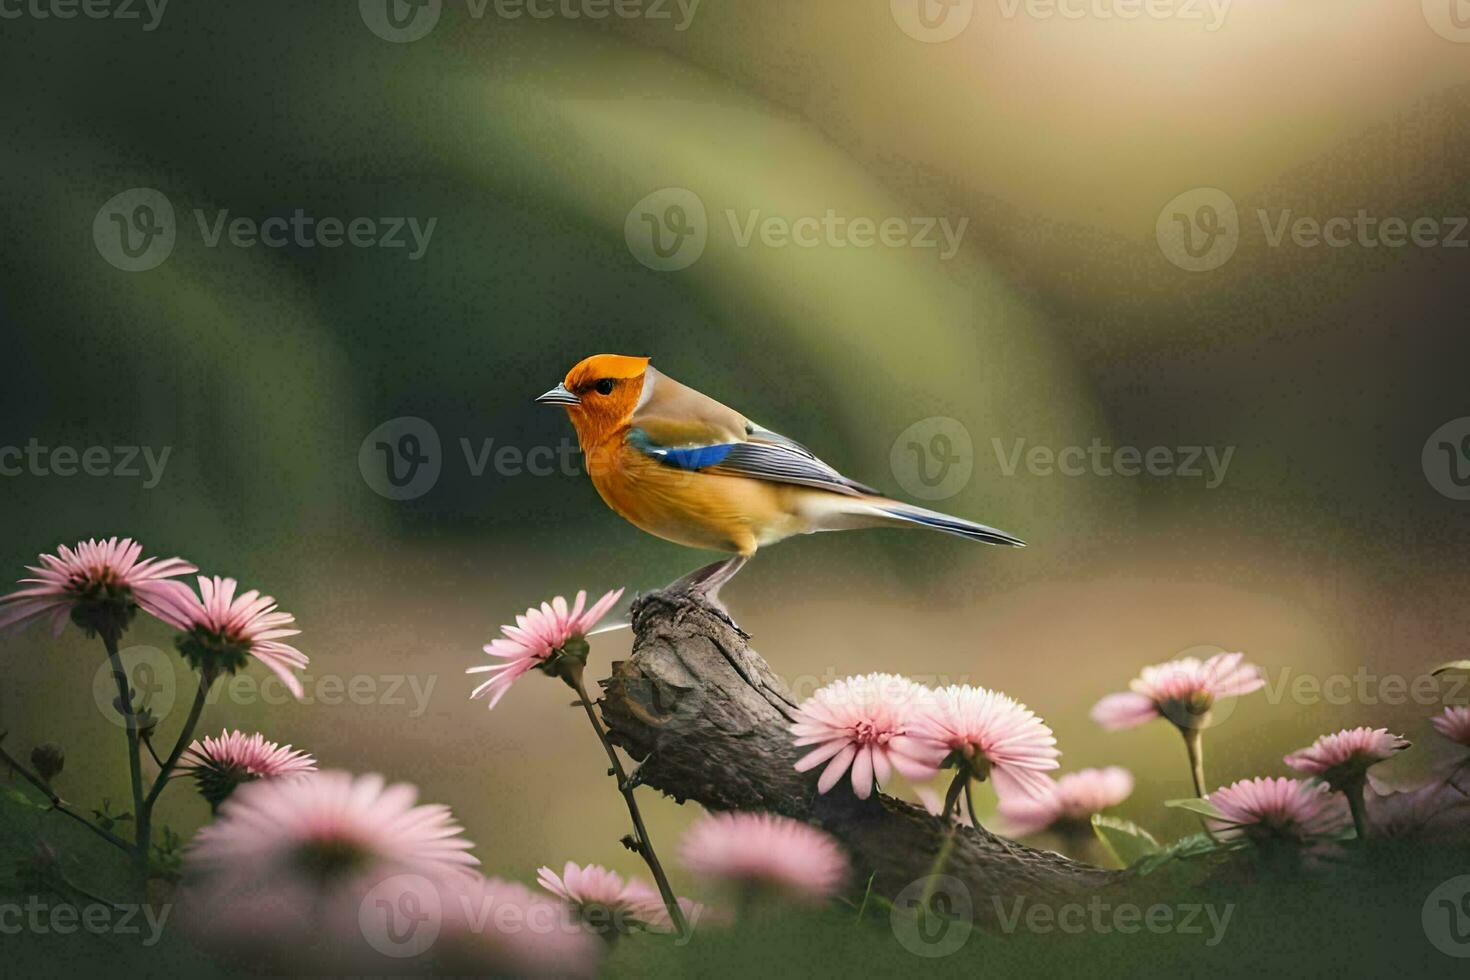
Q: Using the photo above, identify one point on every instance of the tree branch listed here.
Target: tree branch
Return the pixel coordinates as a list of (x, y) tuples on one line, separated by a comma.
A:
[(57, 803), (708, 719)]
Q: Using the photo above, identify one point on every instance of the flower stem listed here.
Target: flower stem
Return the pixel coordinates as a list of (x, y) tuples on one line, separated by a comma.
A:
[(186, 735), (1354, 796), (110, 636), (951, 814), (1194, 742), (571, 672)]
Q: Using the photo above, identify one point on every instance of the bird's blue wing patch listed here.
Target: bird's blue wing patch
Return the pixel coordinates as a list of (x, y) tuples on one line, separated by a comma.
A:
[(686, 457), (696, 458), (776, 462)]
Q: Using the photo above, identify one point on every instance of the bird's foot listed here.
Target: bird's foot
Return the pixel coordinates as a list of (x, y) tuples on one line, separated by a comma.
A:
[(705, 583), (707, 579)]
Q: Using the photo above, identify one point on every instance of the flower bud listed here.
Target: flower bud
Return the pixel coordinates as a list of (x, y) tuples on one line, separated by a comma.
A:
[(147, 722), (47, 759)]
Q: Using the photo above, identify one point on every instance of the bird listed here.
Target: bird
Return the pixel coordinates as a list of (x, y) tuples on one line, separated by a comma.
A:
[(684, 467)]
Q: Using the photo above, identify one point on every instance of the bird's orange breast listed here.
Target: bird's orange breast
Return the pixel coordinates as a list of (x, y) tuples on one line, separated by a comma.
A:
[(700, 510)]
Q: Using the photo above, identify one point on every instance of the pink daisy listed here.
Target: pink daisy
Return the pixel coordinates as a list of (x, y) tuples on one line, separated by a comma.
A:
[(994, 736), (493, 927), (223, 630), (221, 764), (1182, 691), (1342, 759), (1265, 809), (328, 824), (865, 723), (602, 899), (1454, 724), (99, 585), (1437, 810), (282, 875), (1070, 801), (537, 634), (765, 849)]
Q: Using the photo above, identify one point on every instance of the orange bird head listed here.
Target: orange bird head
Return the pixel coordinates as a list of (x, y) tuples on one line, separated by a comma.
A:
[(600, 394)]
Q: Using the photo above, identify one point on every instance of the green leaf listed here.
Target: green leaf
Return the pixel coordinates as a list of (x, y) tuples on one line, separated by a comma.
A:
[(167, 857), (1196, 805), (1451, 665), (1125, 840), (867, 893), (1194, 846), (20, 799), (106, 818)]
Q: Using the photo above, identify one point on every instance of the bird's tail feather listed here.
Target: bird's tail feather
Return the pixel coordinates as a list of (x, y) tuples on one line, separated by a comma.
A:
[(909, 514), (848, 512)]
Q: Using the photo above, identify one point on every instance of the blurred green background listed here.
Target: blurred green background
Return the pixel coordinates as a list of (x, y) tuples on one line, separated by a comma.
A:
[(1326, 551)]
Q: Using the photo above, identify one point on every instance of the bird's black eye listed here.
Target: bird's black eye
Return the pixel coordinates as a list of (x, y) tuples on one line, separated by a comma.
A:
[(604, 387)]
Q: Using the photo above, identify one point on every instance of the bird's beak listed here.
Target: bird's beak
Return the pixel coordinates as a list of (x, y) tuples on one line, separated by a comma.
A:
[(559, 396)]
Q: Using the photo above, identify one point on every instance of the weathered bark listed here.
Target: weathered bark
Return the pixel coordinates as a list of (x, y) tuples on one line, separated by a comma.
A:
[(708, 720)]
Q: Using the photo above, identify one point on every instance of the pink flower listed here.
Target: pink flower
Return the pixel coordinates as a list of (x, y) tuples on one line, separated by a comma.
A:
[(1454, 724), (537, 634), (1263, 809), (1342, 759), (1071, 800), (602, 899), (1437, 811), (328, 824), (866, 723), (994, 736), (1182, 691), (221, 764), (493, 927), (765, 849), (97, 586), (284, 872), (222, 630)]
